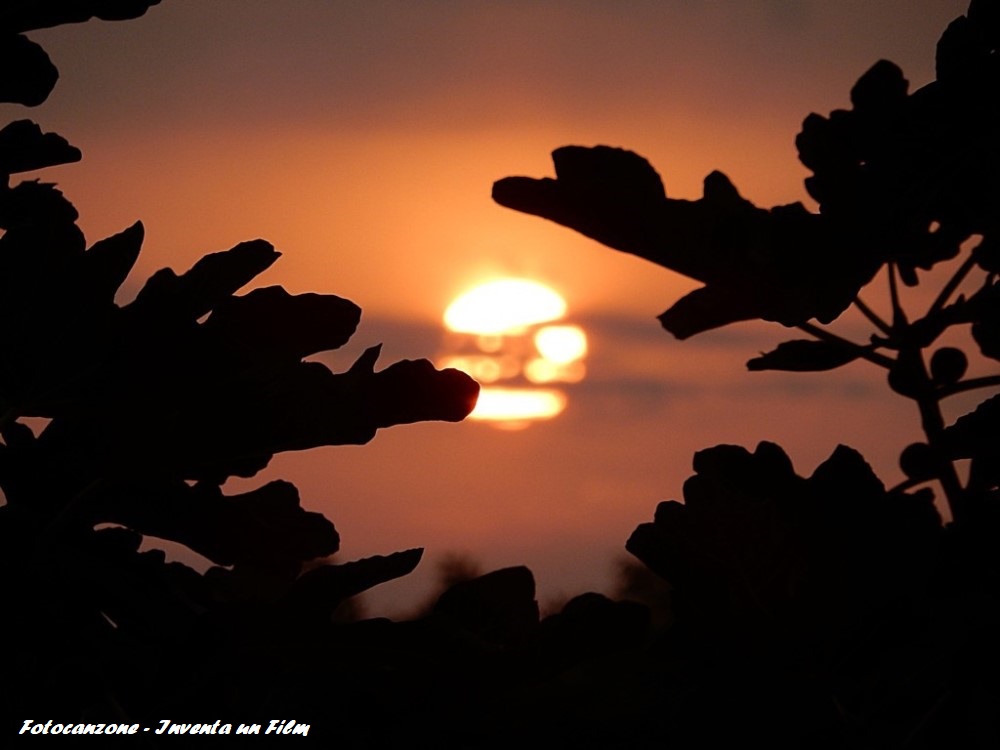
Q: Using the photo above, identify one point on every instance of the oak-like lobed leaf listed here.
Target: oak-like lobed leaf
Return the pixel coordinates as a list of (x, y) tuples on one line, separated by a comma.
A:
[(24, 148), (270, 323), (783, 264), (261, 528)]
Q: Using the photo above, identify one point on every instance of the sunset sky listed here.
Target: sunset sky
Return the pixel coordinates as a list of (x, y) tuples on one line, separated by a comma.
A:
[(362, 139)]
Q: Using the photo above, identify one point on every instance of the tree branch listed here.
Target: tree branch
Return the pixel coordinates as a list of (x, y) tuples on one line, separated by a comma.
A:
[(872, 316), (971, 384), (864, 352), (957, 278)]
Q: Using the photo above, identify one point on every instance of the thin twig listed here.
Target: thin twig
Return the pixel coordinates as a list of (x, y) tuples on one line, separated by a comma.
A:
[(932, 420), (971, 384), (907, 484), (957, 278), (872, 316), (898, 315), (862, 351), (926, 718)]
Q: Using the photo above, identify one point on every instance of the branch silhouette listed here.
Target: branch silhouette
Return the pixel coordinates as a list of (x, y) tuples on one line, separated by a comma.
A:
[(790, 597), (151, 406), (819, 611)]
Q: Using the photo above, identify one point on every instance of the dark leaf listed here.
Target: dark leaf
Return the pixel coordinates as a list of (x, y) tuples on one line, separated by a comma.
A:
[(754, 544), (414, 391), (985, 16), (108, 261), (27, 76), (23, 148), (988, 253), (977, 434), (590, 626), (209, 282), (36, 207), (141, 594), (210, 418), (322, 589), (917, 174), (269, 323), (880, 89), (984, 307), (262, 528), (24, 15), (499, 607), (958, 54), (804, 356), (782, 265)]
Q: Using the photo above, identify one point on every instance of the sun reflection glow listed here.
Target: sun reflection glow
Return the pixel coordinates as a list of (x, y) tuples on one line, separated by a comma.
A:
[(501, 338), (518, 406)]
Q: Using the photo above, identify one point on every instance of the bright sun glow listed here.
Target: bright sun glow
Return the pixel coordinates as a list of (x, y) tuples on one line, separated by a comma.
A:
[(561, 344), (501, 336), (504, 305), (516, 406)]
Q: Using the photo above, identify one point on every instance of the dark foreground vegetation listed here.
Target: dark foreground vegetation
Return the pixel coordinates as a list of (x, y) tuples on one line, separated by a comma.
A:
[(825, 611)]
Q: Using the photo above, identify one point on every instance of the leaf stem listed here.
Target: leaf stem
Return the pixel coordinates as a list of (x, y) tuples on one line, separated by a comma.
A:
[(987, 381), (872, 316), (906, 484), (862, 351), (931, 419), (898, 316), (957, 278)]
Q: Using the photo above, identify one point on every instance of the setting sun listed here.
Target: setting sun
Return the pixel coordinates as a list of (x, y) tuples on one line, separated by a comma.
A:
[(515, 407), (504, 305), (561, 344), (501, 337)]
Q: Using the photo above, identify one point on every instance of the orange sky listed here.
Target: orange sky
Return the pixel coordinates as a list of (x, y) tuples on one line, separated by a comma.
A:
[(362, 140)]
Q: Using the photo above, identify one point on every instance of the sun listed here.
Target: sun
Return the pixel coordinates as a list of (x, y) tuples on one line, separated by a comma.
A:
[(505, 333), (504, 305)]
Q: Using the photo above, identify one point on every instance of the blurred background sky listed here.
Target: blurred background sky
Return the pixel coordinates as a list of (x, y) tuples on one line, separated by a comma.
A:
[(362, 139)]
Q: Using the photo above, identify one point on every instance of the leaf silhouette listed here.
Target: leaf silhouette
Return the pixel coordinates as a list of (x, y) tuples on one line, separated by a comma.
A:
[(804, 356), (27, 76), (170, 298), (269, 323), (782, 265), (325, 587), (24, 15), (153, 406), (108, 262), (498, 607), (984, 309), (753, 542), (24, 148), (976, 435), (917, 173), (263, 527)]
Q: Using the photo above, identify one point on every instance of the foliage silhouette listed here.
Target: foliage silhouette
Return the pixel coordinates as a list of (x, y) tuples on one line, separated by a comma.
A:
[(818, 612), (830, 611), (150, 407)]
